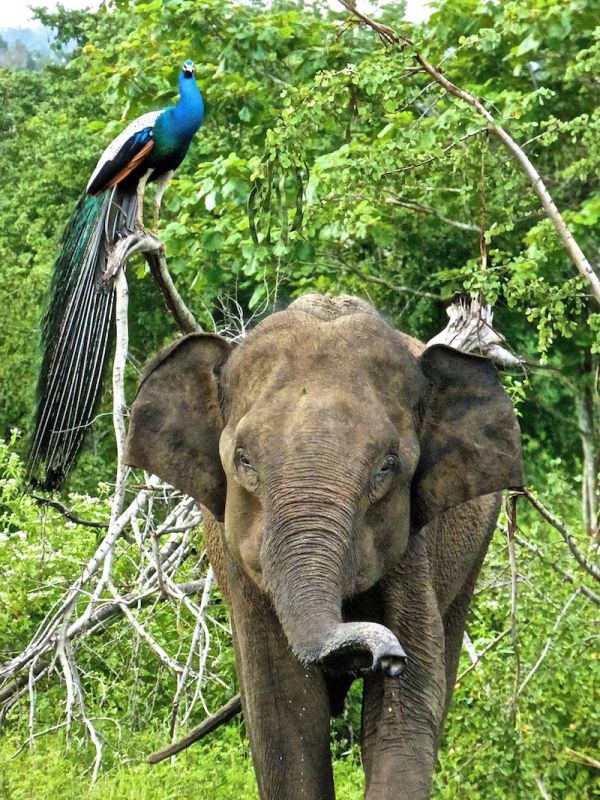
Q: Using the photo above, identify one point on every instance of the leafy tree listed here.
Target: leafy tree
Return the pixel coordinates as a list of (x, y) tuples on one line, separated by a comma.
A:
[(330, 163)]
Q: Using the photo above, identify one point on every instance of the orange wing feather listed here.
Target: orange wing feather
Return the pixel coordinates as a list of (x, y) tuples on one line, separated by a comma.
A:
[(135, 162)]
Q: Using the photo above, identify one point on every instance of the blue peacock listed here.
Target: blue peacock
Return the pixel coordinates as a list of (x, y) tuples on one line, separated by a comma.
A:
[(77, 322)]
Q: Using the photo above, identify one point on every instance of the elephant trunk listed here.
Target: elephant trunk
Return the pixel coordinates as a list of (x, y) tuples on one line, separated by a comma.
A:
[(308, 560)]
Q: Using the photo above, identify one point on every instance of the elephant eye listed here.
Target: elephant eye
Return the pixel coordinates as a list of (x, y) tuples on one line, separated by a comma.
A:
[(388, 467), (242, 459)]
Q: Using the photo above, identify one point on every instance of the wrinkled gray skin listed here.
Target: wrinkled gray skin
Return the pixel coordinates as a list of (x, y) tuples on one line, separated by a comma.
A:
[(348, 478)]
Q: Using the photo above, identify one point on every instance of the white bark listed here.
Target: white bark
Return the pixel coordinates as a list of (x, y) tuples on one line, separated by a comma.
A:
[(470, 329), (68, 624)]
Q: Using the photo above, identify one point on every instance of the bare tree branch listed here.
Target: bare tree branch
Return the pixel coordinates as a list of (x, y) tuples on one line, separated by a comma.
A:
[(590, 568), (140, 241), (548, 643), (470, 330), (566, 575), (46, 501)]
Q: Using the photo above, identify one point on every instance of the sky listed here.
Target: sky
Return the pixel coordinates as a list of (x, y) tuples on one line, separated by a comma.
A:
[(17, 14)]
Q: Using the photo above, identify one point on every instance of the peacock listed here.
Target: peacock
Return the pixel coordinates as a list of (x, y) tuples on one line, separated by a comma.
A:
[(77, 322)]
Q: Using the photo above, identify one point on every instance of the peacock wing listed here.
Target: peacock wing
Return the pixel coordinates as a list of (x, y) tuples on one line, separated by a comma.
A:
[(124, 153)]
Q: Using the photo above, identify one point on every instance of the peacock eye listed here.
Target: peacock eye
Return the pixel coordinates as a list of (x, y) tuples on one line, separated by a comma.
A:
[(242, 459)]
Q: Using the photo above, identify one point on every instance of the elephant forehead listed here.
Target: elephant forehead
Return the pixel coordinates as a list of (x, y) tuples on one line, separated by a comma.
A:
[(292, 347), (320, 430)]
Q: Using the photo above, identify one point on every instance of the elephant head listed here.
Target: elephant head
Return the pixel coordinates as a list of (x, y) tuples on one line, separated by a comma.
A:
[(323, 441)]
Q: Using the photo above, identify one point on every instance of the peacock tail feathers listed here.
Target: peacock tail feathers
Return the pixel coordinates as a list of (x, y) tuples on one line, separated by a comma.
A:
[(75, 332)]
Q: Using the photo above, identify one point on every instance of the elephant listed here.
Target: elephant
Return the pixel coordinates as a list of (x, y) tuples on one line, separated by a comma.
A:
[(350, 482)]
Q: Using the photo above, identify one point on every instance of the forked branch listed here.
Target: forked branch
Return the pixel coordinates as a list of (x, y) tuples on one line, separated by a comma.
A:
[(141, 241)]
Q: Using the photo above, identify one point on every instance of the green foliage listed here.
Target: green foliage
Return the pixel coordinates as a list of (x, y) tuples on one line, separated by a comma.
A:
[(490, 753), (325, 163), (486, 753)]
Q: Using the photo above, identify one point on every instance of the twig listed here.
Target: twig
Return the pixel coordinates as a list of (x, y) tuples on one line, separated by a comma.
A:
[(75, 693), (210, 577), (470, 648), (118, 384), (548, 643), (143, 633), (51, 729), (393, 287), (45, 501), (543, 791), (419, 208), (200, 631), (391, 38), (583, 758), (446, 149), (487, 649), (590, 568), (566, 575)]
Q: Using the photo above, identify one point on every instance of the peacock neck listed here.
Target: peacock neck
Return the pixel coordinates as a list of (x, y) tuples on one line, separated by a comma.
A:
[(187, 115)]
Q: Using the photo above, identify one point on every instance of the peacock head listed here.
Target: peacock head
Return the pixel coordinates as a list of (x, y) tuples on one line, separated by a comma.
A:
[(188, 68)]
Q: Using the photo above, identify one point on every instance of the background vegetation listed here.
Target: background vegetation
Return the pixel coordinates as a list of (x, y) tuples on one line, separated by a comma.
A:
[(327, 163)]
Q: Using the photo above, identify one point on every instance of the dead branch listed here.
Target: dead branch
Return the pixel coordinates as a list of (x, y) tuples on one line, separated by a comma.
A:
[(103, 617), (548, 643), (587, 565), (470, 330), (566, 575), (95, 599), (392, 39), (141, 241), (66, 512)]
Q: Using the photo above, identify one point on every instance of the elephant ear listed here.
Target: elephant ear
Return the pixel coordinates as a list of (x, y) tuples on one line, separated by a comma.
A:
[(470, 437), (176, 419)]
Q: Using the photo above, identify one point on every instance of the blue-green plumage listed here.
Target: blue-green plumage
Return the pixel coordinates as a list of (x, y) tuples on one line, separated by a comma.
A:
[(77, 322)]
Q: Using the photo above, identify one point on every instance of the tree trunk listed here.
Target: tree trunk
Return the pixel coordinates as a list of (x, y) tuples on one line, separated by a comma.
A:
[(589, 433)]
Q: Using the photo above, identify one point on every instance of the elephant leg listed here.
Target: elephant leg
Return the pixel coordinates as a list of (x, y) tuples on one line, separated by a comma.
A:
[(454, 628), (402, 716), (285, 704)]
